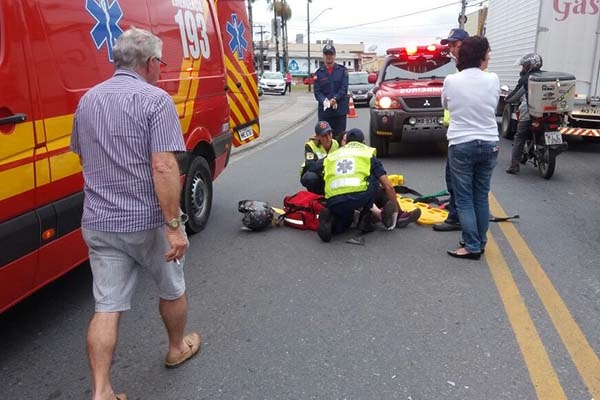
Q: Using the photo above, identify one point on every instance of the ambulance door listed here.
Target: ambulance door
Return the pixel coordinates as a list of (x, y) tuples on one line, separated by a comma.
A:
[(195, 74), (72, 52), (241, 74), (19, 228)]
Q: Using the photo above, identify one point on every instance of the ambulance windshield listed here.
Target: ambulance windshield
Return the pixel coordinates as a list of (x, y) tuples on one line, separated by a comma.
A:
[(421, 68)]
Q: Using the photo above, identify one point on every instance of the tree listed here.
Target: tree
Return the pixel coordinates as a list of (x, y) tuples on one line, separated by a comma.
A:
[(281, 9), (250, 20)]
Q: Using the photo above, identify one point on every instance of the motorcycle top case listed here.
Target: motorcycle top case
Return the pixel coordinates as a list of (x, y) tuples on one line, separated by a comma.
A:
[(550, 92)]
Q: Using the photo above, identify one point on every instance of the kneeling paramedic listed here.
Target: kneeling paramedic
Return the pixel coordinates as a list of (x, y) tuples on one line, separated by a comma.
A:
[(353, 176), (315, 149)]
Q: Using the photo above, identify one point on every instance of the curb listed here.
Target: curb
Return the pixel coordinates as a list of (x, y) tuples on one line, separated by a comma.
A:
[(258, 142)]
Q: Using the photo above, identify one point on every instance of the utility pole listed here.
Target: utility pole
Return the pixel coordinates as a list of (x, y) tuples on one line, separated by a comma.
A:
[(262, 63), (308, 37), (462, 18), (276, 32)]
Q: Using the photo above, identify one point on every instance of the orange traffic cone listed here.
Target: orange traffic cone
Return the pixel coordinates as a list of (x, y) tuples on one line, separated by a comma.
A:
[(351, 109)]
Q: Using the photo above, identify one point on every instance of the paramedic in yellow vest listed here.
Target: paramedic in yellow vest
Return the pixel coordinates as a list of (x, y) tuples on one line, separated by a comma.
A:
[(315, 150), (353, 176), (452, 223)]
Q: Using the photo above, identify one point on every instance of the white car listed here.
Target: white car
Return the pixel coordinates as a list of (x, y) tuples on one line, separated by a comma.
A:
[(272, 82)]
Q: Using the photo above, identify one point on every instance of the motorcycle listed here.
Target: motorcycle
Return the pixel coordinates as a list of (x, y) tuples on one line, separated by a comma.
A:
[(550, 100), (544, 144)]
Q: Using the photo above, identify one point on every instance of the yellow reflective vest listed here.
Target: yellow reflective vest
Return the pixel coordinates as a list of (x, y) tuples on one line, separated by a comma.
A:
[(319, 151), (347, 169)]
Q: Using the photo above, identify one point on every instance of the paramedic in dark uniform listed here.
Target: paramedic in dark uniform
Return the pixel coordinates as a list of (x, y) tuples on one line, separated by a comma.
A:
[(354, 177), (315, 150), (331, 92)]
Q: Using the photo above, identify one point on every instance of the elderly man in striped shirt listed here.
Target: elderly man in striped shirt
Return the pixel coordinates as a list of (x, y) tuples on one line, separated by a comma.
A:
[(126, 131)]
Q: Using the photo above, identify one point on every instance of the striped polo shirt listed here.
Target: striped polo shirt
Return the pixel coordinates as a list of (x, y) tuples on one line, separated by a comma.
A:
[(117, 126)]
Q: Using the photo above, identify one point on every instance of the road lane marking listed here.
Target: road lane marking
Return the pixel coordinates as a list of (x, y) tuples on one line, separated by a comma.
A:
[(585, 359), (542, 373)]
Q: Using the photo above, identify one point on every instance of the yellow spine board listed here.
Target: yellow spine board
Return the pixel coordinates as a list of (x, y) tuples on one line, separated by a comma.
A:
[(429, 215)]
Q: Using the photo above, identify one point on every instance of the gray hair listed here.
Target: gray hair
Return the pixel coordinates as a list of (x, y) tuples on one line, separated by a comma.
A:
[(134, 47)]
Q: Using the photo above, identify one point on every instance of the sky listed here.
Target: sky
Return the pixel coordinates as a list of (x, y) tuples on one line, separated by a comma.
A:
[(383, 23)]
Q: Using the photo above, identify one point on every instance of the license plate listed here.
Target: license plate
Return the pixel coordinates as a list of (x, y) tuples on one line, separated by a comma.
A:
[(426, 121), (553, 138), (360, 96), (590, 110), (245, 133)]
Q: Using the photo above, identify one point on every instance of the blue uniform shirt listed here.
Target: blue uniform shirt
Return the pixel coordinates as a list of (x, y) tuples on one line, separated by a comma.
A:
[(334, 85)]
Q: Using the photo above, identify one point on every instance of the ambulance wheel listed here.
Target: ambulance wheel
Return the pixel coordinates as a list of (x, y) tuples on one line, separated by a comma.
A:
[(197, 194), (380, 143), (508, 126)]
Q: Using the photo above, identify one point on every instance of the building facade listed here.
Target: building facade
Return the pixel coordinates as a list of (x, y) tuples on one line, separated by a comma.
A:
[(348, 55)]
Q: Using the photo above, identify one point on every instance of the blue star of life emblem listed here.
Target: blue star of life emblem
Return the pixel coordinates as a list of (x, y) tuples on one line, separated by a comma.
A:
[(107, 29), (237, 42), (345, 166)]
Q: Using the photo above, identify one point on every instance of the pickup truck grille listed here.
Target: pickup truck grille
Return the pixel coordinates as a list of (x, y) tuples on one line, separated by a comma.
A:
[(421, 102)]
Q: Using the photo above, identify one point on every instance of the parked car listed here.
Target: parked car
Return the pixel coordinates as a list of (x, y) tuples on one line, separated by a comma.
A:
[(359, 87), (272, 82), (310, 80)]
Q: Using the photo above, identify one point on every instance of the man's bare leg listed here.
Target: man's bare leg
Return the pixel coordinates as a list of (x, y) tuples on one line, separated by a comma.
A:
[(174, 315), (101, 342)]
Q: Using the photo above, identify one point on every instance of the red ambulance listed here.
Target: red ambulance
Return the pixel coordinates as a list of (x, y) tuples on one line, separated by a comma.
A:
[(51, 52)]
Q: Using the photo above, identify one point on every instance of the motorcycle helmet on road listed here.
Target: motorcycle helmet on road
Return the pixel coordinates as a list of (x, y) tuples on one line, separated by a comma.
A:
[(530, 62), (258, 215)]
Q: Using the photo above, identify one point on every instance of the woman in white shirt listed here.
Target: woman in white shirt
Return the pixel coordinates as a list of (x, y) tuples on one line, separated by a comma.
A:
[(471, 97)]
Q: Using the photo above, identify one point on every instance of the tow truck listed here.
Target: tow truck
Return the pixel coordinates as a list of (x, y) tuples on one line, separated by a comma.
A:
[(407, 95)]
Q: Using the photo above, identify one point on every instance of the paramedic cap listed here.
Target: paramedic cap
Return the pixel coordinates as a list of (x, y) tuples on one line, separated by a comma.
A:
[(323, 128), (328, 49), (355, 135), (454, 35)]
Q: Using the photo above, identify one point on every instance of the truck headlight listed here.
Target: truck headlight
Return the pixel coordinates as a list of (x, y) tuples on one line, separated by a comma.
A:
[(385, 102)]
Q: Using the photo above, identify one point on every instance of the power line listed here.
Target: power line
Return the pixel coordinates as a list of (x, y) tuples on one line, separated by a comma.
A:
[(377, 28), (390, 19)]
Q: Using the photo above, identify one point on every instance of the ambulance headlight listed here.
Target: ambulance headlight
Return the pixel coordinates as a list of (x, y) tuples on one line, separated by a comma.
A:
[(440, 120), (412, 121)]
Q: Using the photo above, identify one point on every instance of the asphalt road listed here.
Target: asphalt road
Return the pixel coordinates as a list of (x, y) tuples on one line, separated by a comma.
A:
[(285, 316)]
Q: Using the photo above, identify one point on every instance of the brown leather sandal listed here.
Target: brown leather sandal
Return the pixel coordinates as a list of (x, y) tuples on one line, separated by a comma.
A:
[(193, 341)]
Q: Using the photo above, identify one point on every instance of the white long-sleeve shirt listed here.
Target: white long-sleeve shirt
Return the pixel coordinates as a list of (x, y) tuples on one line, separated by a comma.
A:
[(471, 96)]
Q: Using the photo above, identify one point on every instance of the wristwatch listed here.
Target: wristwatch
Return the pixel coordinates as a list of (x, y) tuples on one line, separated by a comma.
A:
[(175, 223)]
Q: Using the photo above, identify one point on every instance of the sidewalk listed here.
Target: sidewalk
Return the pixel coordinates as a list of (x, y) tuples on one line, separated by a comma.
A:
[(278, 114)]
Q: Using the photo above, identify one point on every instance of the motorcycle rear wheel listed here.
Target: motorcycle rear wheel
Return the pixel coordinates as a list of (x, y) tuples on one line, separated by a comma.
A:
[(546, 162)]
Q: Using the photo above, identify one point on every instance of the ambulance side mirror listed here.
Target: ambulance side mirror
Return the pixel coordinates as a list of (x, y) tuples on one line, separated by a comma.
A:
[(372, 78)]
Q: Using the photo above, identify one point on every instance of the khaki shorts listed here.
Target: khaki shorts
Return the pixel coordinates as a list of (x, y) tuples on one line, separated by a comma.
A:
[(116, 258)]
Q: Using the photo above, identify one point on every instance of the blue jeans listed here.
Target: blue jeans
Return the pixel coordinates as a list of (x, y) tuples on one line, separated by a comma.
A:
[(471, 166), (452, 214)]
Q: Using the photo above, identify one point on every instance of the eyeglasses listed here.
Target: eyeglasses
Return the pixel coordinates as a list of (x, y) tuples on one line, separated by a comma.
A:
[(161, 62)]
